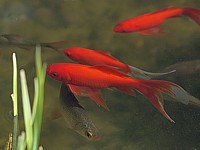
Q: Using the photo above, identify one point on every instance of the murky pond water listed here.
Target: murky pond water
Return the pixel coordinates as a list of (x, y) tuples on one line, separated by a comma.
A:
[(132, 122)]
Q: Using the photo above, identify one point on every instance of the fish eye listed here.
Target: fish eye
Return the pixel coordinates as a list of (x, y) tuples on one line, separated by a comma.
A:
[(88, 134), (68, 54), (54, 74)]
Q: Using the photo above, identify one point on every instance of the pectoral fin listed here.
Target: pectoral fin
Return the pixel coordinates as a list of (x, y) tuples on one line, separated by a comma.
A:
[(153, 30)]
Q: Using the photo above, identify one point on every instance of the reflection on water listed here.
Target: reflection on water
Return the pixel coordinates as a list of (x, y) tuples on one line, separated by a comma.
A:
[(132, 123)]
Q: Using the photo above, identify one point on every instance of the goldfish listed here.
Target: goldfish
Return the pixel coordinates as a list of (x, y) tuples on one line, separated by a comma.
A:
[(150, 23), (76, 116), (93, 57), (102, 77)]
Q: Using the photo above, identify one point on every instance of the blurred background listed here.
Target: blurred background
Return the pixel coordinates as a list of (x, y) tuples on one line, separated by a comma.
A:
[(133, 123)]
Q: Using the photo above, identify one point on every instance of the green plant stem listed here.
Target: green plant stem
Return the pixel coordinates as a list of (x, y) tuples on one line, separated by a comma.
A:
[(21, 145), (27, 110), (15, 129), (14, 95), (40, 71), (35, 101), (14, 99)]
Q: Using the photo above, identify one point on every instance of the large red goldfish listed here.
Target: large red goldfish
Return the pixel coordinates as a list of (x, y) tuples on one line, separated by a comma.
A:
[(98, 77), (150, 23), (92, 57)]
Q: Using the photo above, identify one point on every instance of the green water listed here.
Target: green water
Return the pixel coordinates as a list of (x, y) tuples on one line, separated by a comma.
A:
[(133, 123)]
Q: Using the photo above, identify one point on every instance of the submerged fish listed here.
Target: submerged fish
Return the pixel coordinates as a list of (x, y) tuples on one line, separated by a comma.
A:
[(99, 77), (76, 116), (16, 40), (150, 23), (186, 67), (92, 57)]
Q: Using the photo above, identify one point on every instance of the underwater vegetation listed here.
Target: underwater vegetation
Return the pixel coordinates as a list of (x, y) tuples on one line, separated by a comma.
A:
[(32, 118)]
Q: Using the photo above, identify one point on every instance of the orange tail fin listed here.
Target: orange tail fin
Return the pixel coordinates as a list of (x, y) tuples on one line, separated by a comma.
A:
[(153, 89), (193, 13)]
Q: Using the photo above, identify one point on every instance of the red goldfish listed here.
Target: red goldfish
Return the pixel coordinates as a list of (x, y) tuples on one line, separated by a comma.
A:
[(98, 77), (150, 23), (92, 57)]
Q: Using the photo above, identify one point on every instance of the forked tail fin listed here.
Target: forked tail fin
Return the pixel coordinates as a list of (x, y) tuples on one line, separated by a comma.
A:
[(55, 45), (192, 100), (153, 89), (193, 13)]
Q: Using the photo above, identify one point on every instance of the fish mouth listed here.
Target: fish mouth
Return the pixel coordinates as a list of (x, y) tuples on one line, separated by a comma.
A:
[(117, 28), (92, 137)]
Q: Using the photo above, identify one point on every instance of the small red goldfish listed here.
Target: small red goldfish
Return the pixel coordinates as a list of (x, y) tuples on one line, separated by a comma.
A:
[(92, 57), (150, 23), (98, 77)]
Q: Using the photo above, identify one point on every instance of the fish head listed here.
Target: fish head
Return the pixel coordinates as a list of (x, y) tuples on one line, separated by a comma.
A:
[(53, 72), (58, 72), (73, 53), (125, 27), (67, 52), (121, 28), (88, 130)]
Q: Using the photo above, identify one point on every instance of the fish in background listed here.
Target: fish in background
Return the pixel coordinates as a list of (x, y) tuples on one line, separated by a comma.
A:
[(18, 41), (93, 57), (99, 77), (150, 23), (186, 67), (75, 115)]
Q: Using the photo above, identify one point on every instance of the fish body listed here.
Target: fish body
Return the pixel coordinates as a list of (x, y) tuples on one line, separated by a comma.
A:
[(186, 67), (150, 23), (16, 40), (89, 76), (98, 77), (91, 57), (76, 116)]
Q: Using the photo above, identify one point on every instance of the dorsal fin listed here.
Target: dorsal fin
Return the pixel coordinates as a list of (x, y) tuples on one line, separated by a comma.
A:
[(110, 70)]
